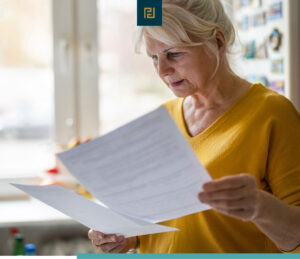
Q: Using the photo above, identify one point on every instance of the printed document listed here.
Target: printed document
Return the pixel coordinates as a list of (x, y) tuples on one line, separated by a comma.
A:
[(144, 171), (89, 213)]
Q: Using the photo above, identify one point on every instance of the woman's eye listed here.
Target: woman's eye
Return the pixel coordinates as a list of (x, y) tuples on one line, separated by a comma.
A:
[(174, 54)]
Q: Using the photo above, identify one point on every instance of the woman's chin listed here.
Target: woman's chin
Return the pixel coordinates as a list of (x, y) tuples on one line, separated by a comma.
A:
[(180, 94)]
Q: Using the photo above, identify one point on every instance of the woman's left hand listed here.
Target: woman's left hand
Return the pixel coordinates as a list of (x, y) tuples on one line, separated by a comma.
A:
[(237, 196)]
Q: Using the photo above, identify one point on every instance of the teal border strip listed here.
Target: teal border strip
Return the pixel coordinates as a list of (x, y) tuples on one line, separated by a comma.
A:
[(189, 256)]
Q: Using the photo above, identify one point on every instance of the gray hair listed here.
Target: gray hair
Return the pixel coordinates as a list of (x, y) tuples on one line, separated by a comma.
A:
[(191, 23)]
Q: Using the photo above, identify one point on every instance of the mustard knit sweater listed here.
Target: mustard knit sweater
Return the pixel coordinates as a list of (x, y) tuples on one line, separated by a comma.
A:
[(259, 134)]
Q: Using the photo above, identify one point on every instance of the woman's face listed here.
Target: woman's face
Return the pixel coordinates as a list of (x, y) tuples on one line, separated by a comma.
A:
[(185, 70)]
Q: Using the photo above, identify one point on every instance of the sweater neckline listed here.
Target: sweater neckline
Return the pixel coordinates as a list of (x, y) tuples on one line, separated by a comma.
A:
[(219, 121)]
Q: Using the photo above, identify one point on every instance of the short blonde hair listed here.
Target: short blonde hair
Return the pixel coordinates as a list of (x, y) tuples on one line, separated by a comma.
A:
[(191, 23)]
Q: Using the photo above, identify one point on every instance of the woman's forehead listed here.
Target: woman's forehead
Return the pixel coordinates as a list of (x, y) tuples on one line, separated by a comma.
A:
[(155, 46)]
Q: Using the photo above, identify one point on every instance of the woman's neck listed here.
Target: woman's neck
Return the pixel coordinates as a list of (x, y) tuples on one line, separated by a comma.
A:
[(222, 91)]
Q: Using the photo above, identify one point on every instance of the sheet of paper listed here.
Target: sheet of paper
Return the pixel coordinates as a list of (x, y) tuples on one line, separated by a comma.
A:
[(90, 213), (145, 169)]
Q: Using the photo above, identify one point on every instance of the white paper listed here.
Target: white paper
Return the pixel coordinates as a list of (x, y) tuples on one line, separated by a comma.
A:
[(145, 169), (89, 213)]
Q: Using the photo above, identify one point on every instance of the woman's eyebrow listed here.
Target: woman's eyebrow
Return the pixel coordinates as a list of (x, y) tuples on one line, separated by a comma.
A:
[(164, 51)]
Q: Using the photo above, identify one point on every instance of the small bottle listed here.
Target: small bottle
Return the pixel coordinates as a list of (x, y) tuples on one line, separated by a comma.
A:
[(29, 249), (11, 240), (19, 245)]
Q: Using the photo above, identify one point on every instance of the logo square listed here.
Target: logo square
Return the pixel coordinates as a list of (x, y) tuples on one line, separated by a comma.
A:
[(149, 12)]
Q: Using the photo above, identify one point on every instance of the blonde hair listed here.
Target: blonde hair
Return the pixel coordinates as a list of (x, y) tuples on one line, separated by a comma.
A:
[(191, 23)]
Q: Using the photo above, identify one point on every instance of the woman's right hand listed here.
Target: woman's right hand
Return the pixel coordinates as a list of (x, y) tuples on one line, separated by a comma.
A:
[(111, 243)]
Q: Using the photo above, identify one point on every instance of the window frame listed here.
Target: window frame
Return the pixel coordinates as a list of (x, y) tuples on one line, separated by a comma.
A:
[(75, 66)]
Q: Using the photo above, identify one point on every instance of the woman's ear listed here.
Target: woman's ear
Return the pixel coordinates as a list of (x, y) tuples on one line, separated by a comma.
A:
[(221, 42), (220, 38)]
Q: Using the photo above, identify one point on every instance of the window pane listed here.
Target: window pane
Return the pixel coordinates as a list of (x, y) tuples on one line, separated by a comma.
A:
[(129, 86), (26, 87)]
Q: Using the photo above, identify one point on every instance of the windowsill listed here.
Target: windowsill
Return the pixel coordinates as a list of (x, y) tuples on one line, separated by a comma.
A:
[(10, 193), (24, 212), (18, 208)]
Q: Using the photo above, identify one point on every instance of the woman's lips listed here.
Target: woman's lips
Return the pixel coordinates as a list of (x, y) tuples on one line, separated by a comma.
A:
[(177, 83)]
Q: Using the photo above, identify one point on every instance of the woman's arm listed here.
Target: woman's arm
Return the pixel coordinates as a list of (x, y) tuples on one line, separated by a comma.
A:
[(279, 221), (239, 197)]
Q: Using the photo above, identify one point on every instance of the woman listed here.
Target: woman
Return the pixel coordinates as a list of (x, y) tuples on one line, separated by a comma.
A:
[(248, 138)]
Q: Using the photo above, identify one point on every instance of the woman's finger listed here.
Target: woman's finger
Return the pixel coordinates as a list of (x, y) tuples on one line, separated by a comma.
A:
[(93, 234), (231, 194), (106, 248), (245, 215), (230, 204), (248, 203), (118, 248), (229, 182), (111, 238)]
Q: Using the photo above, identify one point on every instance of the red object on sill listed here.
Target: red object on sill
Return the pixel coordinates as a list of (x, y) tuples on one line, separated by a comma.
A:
[(53, 170), (13, 231)]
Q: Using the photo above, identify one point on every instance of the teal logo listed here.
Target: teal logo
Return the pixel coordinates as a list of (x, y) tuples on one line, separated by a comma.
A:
[(149, 12)]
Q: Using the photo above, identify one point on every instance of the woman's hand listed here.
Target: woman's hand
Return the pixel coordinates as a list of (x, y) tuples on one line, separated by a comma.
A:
[(237, 196), (111, 243)]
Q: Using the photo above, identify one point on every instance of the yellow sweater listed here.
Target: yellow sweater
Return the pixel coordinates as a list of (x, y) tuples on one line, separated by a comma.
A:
[(259, 134)]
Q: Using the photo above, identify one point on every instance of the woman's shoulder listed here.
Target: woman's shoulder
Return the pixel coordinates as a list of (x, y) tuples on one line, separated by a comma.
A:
[(273, 103)]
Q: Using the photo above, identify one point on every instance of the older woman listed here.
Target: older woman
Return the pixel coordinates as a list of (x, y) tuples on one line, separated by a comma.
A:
[(248, 138)]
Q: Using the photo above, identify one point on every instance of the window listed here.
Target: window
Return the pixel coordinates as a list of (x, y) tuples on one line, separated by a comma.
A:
[(26, 87), (44, 105), (128, 84)]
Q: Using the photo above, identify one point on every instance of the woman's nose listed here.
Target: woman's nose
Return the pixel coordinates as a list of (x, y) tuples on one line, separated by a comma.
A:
[(164, 68)]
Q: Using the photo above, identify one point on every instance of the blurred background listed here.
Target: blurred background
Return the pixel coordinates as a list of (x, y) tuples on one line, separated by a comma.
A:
[(69, 73)]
